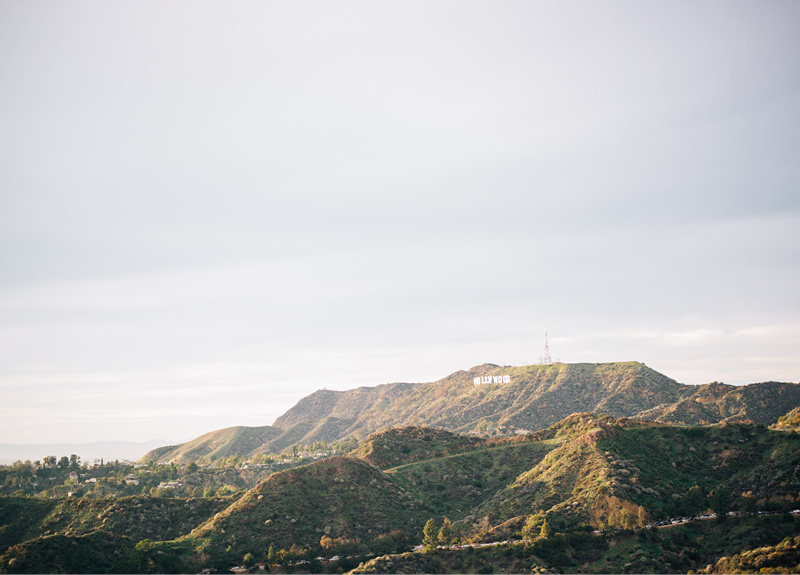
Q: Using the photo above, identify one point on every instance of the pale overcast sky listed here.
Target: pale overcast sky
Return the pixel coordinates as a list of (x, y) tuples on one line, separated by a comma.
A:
[(209, 210)]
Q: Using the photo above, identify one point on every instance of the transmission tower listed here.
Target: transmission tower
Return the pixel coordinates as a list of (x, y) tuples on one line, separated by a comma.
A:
[(546, 357)]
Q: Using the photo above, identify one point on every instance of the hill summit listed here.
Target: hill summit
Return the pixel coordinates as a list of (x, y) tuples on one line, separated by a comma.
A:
[(498, 400)]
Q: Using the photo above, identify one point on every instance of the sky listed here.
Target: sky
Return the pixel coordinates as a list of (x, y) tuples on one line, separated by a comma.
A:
[(209, 210)]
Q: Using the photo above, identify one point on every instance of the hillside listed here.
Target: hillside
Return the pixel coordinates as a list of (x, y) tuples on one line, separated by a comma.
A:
[(536, 397), (533, 397), (585, 472), (717, 402), (216, 444), (765, 544), (343, 498), (605, 470), (23, 518), (789, 421), (404, 444)]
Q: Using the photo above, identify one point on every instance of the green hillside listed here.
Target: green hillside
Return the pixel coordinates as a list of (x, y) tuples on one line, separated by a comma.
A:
[(343, 498), (137, 518), (405, 444), (96, 552), (790, 421), (605, 470), (765, 544), (585, 472)]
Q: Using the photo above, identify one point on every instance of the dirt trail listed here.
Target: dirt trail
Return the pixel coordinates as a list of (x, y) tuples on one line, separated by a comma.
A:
[(508, 446)]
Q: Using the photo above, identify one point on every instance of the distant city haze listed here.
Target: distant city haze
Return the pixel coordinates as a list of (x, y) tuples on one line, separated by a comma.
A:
[(209, 210)]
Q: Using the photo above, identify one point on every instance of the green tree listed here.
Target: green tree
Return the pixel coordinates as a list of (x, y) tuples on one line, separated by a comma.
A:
[(248, 561), (694, 501), (532, 527), (546, 531), (430, 535), (192, 467), (446, 533), (721, 501)]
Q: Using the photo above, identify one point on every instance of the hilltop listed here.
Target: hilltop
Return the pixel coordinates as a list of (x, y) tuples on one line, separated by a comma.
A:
[(516, 400), (343, 498)]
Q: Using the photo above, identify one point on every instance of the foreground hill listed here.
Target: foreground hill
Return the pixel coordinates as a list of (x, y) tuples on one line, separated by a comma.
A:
[(342, 498), (585, 472), (752, 544), (23, 518)]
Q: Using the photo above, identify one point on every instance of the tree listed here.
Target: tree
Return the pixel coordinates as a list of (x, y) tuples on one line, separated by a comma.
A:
[(248, 561), (721, 501), (192, 467), (446, 533), (546, 531), (533, 527), (326, 542), (429, 535), (643, 518), (272, 555), (694, 501), (63, 463), (626, 520)]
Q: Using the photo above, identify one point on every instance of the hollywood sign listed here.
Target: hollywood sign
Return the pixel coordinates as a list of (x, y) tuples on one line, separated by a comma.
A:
[(492, 379)]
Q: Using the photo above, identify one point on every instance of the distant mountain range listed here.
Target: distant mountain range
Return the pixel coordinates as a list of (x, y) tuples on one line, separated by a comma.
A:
[(497, 400), (108, 450)]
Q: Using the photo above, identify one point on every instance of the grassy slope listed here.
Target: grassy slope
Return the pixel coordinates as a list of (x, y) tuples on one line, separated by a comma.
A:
[(789, 421), (717, 402), (538, 396), (339, 497), (405, 444), (454, 485), (571, 480), (652, 466), (216, 444), (96, 552), (681, 549), (137, 518), (604, 467)]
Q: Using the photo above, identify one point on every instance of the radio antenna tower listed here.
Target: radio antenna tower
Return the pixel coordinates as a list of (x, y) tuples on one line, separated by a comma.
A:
[(546, 357)]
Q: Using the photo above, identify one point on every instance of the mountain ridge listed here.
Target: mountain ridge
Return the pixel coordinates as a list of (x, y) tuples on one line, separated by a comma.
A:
[(533, 397)]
